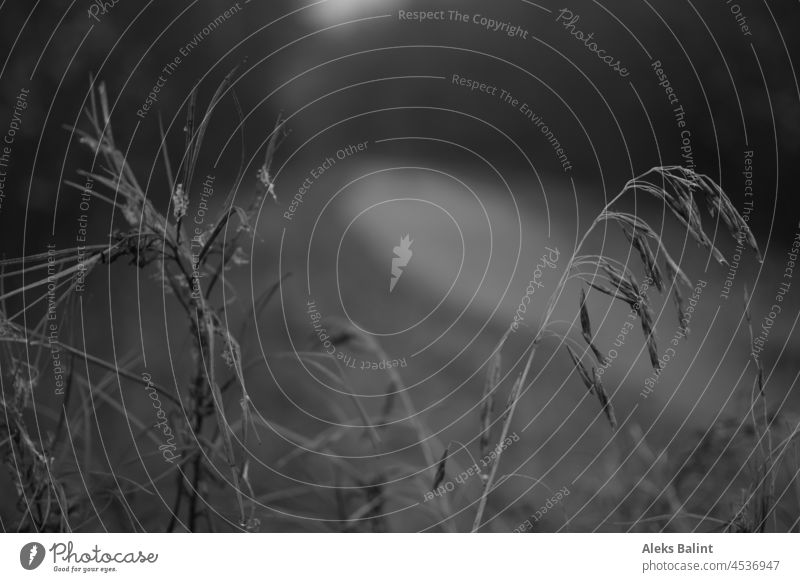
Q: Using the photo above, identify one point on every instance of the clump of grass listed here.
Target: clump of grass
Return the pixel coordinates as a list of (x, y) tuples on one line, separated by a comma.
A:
[(759, 507), (678, 188), (190, 266)]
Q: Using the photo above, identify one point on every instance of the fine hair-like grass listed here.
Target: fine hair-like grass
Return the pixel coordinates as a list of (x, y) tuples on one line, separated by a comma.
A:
[(191, 266), (677, 188)]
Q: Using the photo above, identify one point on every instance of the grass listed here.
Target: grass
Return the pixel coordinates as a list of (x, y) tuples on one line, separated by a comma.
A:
[(214, 422)]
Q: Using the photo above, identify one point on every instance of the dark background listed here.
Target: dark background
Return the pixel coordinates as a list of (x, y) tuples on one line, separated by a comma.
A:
[(711, 65)]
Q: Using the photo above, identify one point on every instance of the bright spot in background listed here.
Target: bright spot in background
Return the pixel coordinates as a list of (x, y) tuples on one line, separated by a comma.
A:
[(334, 11)]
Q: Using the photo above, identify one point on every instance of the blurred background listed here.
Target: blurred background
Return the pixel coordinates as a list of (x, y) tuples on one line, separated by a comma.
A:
[(379, 142)]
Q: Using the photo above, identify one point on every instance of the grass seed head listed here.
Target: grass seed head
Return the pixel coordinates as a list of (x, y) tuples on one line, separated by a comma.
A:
[(719, 204), (180, 202), (441, 469), (639, 241), (586, 328), (582, 372), (676, 189), (623, 285), (594, 386), (677, 186), (646, 319)]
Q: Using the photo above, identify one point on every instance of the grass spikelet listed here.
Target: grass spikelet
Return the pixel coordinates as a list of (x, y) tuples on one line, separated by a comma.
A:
[(264, 176), (639, 235), (588, 381), (719, 204), (594, 386), (638, 240), (586, 328), (623, 284), (489, 386), (441, 468), (676, 190), (625, 288), (646, 319), (678, 278)]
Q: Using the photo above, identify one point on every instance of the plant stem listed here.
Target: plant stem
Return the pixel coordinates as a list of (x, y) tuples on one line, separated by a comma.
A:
[(516, 392), (517, 389)]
